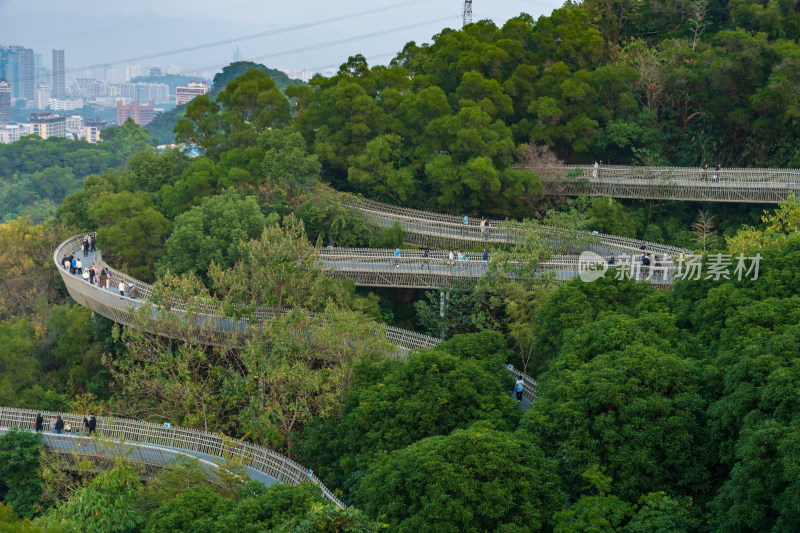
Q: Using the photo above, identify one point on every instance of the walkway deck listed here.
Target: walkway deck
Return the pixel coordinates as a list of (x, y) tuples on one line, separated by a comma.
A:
[(426, 228), (742, 185), (154, 445)]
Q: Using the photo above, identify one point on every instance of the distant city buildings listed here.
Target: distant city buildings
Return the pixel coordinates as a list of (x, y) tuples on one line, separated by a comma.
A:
[(47, 125), (12, 132), (141, 114), (59, 80), (66, 104), (131, 71), (155, 72), (184, 95), (5, 102), (302, 75), (74, 125), (42, 96)]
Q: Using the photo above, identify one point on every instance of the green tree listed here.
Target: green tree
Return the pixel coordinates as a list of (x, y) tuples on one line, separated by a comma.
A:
[(617, 395), (211, 232), (382, 169), (108, 504), (328, 518), (130, 231), (195, 510), (127, 139), (597, 510), (398, 403), (476, 479), (287, 163), (19, 471)]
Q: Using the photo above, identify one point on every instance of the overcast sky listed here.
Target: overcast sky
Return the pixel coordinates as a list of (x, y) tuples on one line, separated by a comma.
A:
[(303, 34)]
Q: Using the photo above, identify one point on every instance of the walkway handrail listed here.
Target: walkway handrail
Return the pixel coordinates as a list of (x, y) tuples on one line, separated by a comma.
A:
[(729, 175), (122, 307), (449, 227), (262, 459), (528, 384)]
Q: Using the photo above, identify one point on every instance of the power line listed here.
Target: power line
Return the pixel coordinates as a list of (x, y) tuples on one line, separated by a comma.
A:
[(335, 43), (151, 22), (250, 36)]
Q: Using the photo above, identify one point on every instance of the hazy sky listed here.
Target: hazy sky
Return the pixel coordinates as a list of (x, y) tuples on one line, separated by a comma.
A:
[(303, 34)]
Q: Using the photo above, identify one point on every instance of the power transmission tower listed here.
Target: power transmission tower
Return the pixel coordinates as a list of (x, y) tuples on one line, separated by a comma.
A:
[(467, 14)]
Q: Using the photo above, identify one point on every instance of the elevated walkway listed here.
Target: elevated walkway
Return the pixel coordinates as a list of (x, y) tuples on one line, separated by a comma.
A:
[(426, 228), (121, 308), (155, 446), (741, 185)]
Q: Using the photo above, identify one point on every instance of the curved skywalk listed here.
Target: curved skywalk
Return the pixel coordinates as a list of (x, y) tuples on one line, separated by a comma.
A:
[(155, 446), (742, 185)]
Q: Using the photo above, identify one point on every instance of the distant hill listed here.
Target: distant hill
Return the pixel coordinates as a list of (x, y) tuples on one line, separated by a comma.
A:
[(234, 70)]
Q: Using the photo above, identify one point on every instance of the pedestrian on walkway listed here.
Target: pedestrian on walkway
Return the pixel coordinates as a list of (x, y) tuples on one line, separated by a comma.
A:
[(86, 247), (108, 278), (460, 259), (38, 422), (85, 426), (519, 388), (66, 263), (67, 428), (93, 241), (397, 258), (92, 424), (92, 272), (450, 258), (132, 291), (59, 425), (78, 267), (121, 288), (483, 227), (72, 265), (52, 424), (426, 259), (716, 173), (611, 260)]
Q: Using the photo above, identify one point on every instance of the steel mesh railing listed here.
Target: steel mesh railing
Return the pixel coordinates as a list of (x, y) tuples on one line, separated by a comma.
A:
[(129, 431)]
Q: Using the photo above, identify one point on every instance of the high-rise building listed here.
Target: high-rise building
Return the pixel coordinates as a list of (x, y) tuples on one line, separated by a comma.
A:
[(184, 95), (141, 114), (132, 71), (48, 125), (59, 79), (5, 102), (173, 69), (17, 67), (42, 96), (155, 72)]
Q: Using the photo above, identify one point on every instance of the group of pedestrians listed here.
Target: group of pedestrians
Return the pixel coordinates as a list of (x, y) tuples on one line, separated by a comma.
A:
[(89, 243), (452, 259), (705, 170), (58, 426), (485, 226)]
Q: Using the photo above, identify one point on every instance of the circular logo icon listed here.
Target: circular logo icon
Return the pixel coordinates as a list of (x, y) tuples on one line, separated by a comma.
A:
[(591, 266)]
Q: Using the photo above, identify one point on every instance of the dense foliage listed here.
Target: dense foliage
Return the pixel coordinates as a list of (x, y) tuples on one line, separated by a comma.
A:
[(656, 410)]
